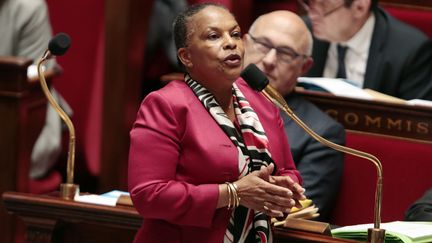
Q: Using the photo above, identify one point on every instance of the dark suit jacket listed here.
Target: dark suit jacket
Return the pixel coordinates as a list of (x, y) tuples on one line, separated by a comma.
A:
[(421, 210), (320, 166), (399, 62)]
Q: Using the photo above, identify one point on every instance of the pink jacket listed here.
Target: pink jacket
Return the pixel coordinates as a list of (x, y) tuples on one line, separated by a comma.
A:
[(178, 156)]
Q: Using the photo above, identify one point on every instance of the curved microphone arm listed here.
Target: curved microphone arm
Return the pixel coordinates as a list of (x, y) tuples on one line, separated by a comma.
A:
[(68, 189), (376, 234)]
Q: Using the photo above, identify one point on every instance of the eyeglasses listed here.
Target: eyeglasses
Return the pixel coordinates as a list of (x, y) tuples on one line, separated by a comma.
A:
[(325, 8), (283, 53)]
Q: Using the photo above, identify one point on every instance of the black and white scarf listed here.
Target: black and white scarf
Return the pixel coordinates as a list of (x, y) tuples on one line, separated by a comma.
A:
[(245, 225)]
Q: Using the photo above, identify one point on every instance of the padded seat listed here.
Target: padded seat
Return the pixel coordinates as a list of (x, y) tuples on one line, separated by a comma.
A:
[(47, 184), (420, 18), (406, 176)]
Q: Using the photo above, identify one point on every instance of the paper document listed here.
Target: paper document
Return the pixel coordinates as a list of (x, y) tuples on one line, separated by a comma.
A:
[(108, 199), (420, 102), (307, 211), (398, 231), (337, 87)]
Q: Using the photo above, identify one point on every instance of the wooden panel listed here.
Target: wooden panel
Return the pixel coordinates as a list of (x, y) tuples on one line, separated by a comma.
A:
[(389, 119), (125, 25), (22, 107), (49, 217)]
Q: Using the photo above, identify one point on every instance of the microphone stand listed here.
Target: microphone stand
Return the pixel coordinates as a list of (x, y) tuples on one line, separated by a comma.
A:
[(375, 235), (68, 190)]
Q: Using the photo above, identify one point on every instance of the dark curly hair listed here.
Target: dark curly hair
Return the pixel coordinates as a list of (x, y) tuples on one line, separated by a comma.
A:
[(180, 24)]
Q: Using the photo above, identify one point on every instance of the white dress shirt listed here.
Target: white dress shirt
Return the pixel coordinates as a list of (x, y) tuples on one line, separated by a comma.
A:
[(356, 55)]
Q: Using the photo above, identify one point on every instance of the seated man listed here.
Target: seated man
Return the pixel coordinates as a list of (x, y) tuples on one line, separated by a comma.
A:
[(280, 44), (360, 42)]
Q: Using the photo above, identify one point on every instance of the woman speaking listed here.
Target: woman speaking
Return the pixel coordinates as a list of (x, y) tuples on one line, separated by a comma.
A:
[(209, 160)]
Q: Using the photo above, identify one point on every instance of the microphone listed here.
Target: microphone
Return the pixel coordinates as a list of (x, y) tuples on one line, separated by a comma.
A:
[(58, 46), (259, 82)]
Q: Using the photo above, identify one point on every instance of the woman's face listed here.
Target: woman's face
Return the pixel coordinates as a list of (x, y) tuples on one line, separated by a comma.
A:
[(214, 49)]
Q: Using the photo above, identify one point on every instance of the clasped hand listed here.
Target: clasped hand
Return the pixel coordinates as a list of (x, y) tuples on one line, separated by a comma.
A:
[(273, 195)]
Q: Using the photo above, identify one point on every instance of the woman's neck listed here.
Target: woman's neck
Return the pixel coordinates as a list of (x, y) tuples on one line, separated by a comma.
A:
[(221, 90), (225, 101), (229, 110)]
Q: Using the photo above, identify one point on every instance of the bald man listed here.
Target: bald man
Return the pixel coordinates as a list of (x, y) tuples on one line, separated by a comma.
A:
[(280, 44)]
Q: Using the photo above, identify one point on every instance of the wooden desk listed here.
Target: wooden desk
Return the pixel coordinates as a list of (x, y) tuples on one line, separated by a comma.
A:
[(51, 219), (376, 117), (22, 107)]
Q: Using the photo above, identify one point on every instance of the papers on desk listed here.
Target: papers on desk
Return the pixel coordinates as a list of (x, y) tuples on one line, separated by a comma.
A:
[(420, 102), (337, 87), (396, 232), (107, 199), (307, 211), (341, 87)]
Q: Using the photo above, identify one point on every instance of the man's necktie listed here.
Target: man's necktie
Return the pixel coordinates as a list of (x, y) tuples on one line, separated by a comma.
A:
[(341, 72)]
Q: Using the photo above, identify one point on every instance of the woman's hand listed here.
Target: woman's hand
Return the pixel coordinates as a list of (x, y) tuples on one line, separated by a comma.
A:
[(272, 195), (287, 182)]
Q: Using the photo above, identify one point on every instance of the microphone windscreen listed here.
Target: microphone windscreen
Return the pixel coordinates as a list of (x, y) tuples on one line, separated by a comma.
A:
[(254, 77), (59, 44)]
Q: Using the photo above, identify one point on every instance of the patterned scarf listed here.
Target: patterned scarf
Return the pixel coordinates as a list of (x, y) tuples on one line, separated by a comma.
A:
[(245, 225)]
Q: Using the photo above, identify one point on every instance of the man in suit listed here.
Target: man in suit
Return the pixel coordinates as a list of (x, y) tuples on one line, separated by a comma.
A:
[(359, 41), (280, 44)]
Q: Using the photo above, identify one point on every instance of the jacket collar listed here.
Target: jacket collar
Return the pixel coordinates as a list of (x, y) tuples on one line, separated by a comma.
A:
[(378, 42)]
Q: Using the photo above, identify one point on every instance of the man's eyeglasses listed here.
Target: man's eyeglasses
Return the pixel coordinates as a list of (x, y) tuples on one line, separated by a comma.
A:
[(283, 53), (325, 8)]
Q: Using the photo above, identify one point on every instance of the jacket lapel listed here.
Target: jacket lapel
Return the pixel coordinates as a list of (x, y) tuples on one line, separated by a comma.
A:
[(319, 55), (375, 61)]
